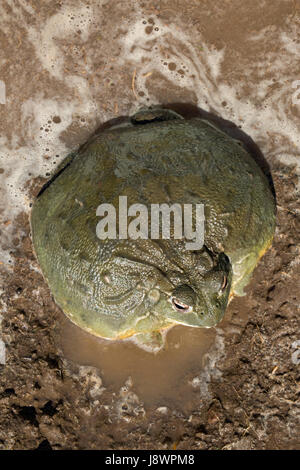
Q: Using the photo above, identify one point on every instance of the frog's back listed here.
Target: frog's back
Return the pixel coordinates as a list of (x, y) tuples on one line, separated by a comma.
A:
[(193, 162), (161, 162)]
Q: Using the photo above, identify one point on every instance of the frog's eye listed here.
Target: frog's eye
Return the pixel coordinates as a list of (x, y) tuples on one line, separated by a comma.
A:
[(180, 307), (224, 284)]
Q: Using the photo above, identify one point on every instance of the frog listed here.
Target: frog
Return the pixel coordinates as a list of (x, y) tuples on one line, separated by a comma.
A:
[(121, 288)]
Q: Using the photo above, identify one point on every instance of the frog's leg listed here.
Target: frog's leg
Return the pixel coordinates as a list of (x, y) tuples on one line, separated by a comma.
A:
[(243, 269), (242, 272), (151, 342)]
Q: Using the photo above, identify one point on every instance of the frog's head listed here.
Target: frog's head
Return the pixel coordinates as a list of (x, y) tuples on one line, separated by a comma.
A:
[(199, 294), (144, 294)]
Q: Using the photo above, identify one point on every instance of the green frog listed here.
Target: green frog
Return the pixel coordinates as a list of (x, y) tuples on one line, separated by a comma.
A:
[(119, 287)]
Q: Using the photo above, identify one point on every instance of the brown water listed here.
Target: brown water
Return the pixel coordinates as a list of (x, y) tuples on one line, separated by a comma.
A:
[(174, 377)]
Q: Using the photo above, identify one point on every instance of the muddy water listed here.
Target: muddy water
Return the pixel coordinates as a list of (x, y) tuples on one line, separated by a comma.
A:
[(177, 377), (174, 377), (69, 66)]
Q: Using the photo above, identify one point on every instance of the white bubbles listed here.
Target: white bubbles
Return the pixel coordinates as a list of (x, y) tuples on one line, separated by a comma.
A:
[(186, 61), (60, 26), (36, 147), (22, 163), (168, 50)]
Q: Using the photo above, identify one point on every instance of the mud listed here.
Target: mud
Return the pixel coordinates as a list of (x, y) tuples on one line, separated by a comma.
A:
[(68, 67)]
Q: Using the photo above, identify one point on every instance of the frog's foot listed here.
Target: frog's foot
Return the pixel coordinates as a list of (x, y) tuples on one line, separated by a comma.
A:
[(243, 273), (148, 115), (243, 269), (151, 342), (239, 288)]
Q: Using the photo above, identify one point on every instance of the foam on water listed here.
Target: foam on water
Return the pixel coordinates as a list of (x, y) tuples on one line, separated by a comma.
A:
[(180, 63), (40, 121), (62, 25)]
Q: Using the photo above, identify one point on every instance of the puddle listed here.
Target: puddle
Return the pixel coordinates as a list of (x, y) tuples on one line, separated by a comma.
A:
[(175, 377)]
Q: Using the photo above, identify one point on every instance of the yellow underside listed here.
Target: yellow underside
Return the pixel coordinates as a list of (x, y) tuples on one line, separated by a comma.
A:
[(260, 255)]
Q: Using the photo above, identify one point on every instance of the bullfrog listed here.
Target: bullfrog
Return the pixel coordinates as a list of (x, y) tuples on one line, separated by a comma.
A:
[(121, 287)]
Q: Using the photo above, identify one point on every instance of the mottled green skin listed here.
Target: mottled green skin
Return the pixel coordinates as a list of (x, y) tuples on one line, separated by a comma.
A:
[(116, 288)]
